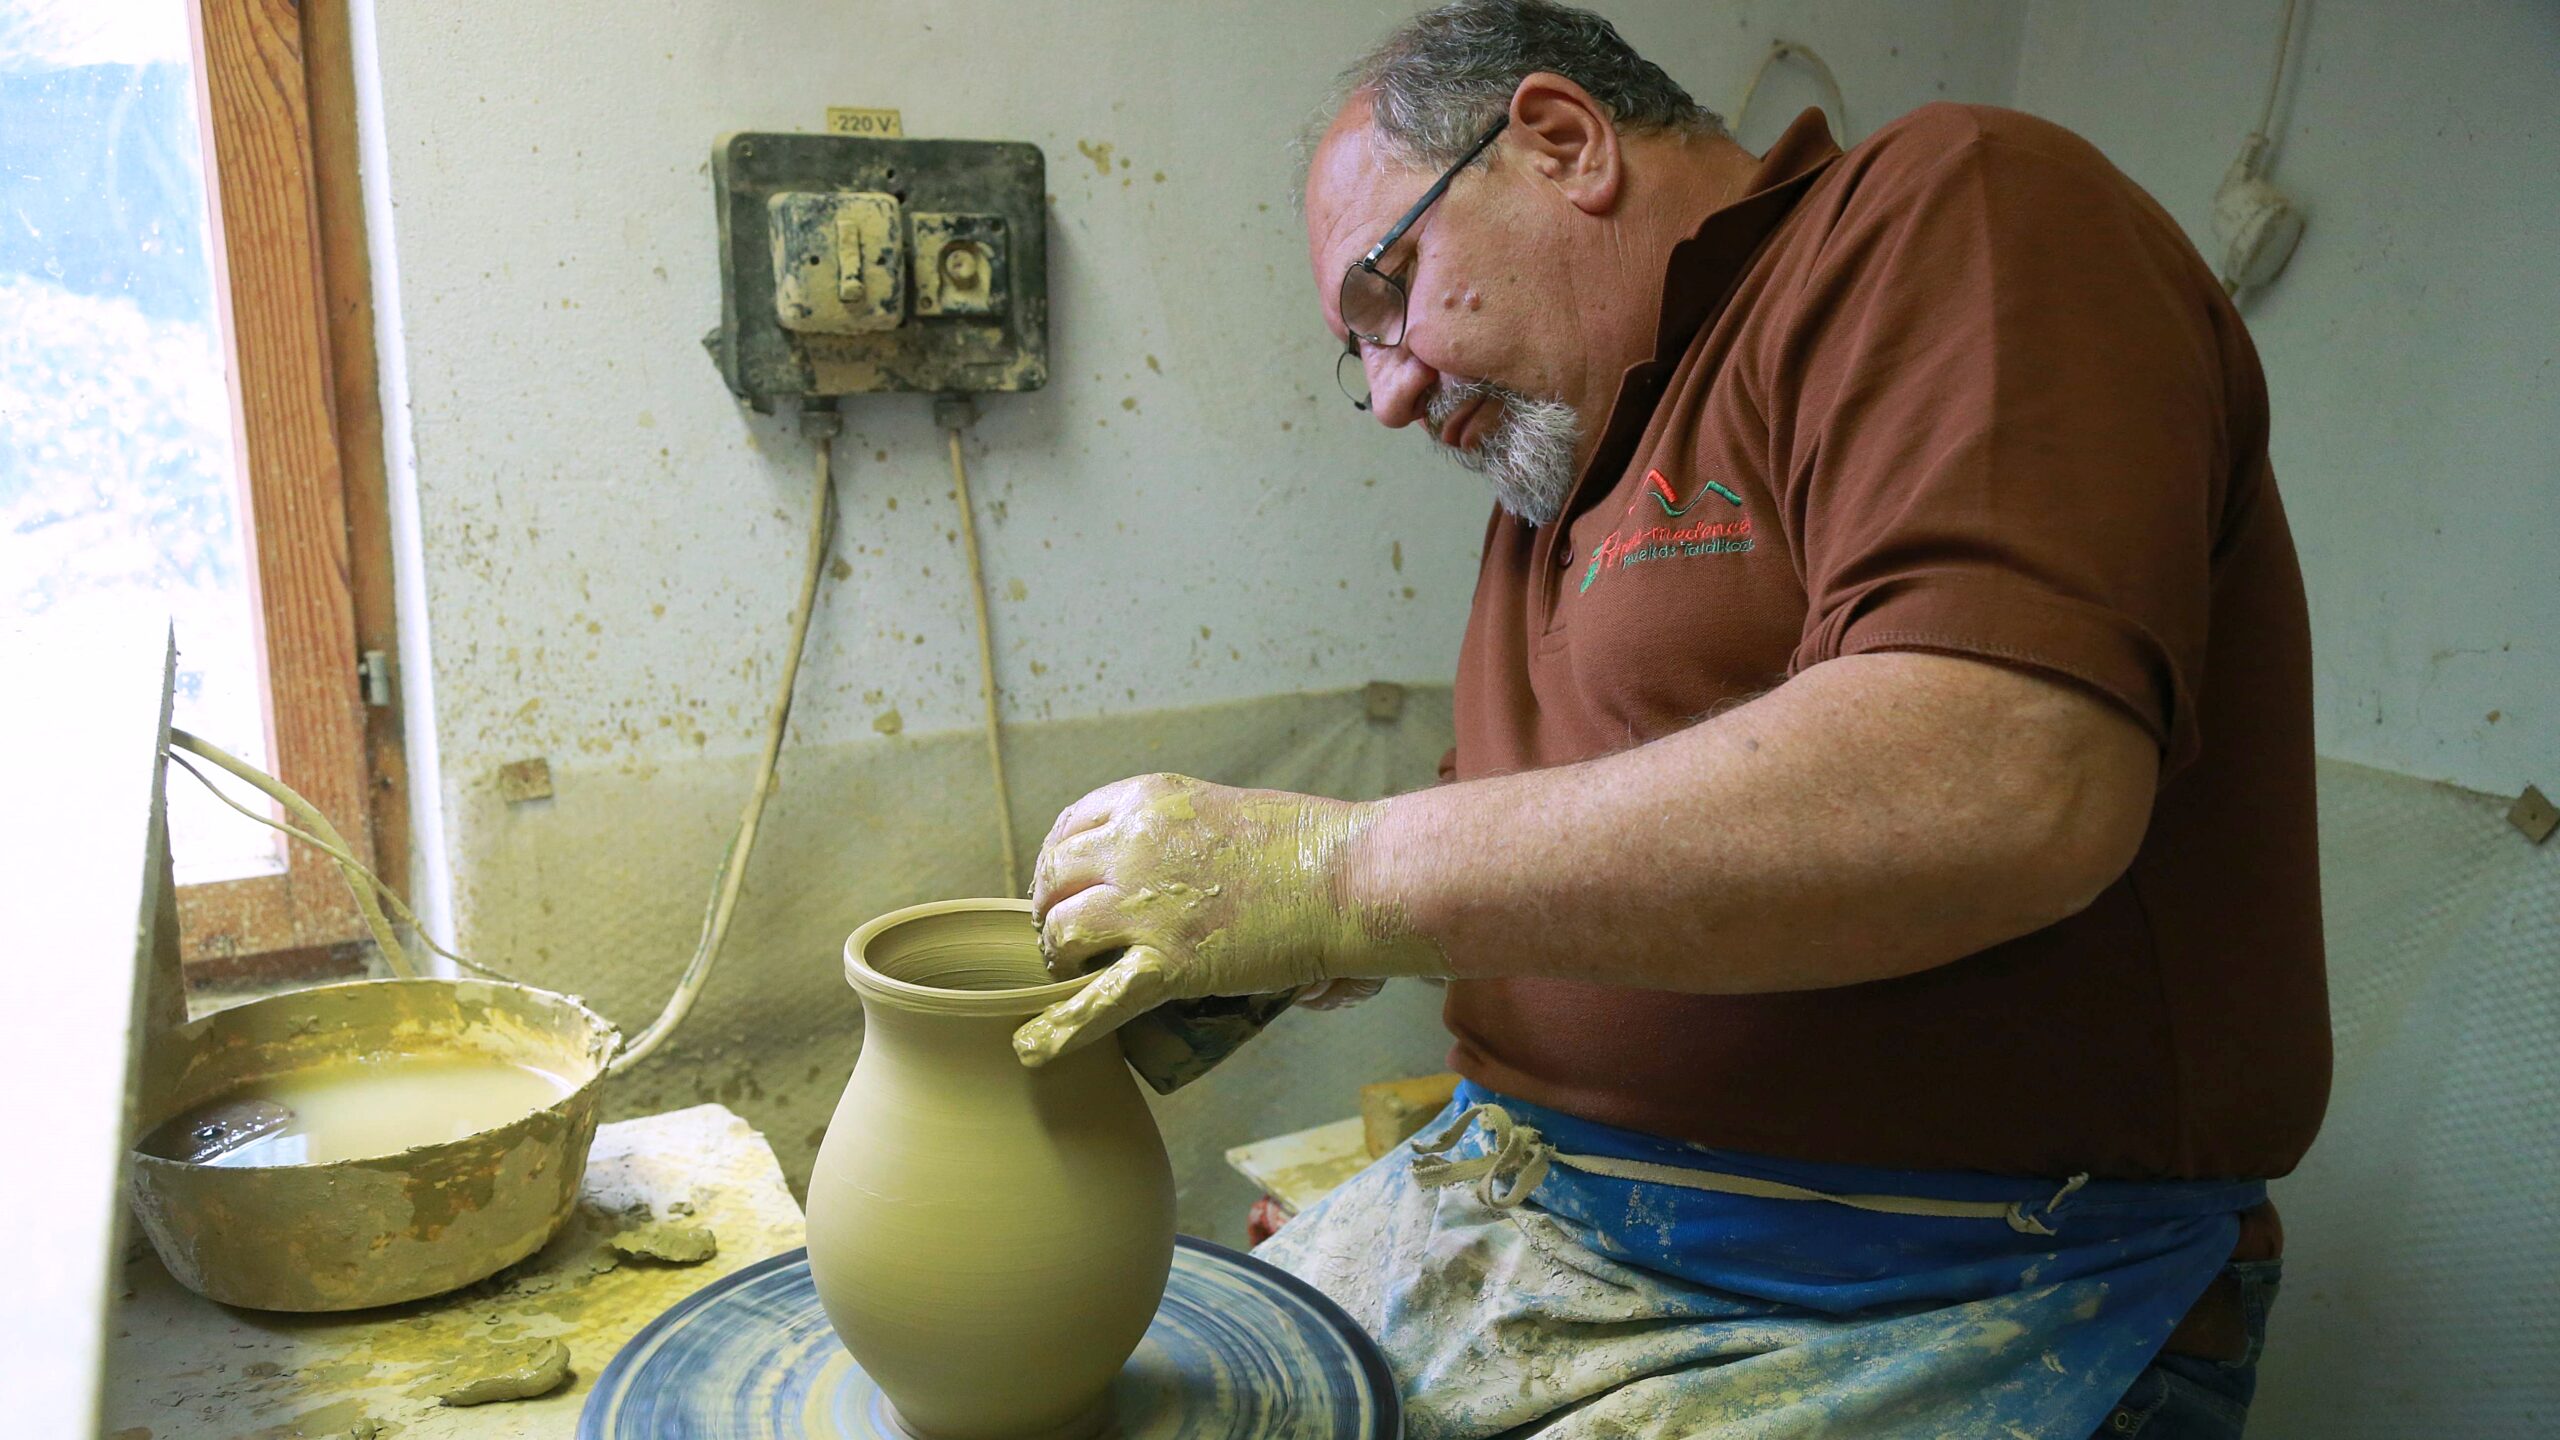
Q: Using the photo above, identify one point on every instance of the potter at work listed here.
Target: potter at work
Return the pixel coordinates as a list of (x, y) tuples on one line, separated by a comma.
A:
[(1431, 720), (1875, 882)]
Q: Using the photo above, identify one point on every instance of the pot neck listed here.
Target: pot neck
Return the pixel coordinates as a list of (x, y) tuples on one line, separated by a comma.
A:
[(960, 959)]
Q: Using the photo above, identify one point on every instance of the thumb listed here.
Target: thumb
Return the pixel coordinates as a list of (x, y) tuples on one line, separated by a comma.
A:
[(1338, 994), (1134, 984)]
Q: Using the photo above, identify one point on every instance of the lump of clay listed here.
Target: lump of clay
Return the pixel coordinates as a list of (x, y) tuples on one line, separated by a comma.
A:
[(518, 1372), (674, 1244)]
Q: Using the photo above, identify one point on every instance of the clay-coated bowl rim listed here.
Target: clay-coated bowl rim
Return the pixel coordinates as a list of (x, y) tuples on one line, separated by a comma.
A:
[(604, 1041), (935, 999)]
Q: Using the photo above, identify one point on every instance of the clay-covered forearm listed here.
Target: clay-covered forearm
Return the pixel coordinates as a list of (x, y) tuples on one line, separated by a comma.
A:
[(1874, 816)]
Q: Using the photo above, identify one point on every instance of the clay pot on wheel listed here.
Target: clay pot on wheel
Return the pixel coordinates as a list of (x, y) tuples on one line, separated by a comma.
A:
[(990, 1241)]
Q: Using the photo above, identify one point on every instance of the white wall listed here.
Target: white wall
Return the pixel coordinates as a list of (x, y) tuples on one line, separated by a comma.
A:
[(2409, 348), (2420, 1234)]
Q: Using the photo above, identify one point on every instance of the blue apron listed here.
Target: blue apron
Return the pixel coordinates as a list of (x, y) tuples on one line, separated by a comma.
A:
[(1783, 1298)]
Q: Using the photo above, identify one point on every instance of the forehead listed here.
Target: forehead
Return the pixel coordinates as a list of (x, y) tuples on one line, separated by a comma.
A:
[(1354, 191)]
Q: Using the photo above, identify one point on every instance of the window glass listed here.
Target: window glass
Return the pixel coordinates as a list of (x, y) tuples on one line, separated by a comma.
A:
[(119, 486)]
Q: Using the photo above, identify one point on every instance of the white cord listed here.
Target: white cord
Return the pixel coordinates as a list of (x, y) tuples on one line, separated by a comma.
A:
[(986, 670), (325, 837), (2244, 179), (2275, 80), (732, 875), (389, 897), (1796, 50)]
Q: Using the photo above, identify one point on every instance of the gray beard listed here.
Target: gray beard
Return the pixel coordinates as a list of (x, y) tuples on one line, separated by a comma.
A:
[(1528, 455)]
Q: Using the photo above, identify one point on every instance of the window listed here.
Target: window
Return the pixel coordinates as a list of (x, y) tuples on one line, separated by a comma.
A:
[(183, 353)]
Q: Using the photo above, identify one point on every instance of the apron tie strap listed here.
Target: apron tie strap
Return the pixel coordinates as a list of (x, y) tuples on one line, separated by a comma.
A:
[(1516, 1159), (1514, 1162)]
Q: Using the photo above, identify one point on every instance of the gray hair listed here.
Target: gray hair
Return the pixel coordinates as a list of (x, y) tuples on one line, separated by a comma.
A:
[(1436, 85)]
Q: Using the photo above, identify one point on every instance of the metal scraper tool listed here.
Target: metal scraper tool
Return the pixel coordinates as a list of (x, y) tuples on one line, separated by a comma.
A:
[(202, 1136), (1181, 1040)]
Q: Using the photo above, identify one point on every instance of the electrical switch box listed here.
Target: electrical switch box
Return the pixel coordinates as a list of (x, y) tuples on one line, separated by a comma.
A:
[(851, 265)]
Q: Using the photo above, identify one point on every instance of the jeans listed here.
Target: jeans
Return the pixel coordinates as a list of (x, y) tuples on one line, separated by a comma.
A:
[(2182, 1397)]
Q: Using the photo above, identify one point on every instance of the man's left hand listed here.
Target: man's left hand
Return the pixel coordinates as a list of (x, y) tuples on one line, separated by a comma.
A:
[(1205, 890)]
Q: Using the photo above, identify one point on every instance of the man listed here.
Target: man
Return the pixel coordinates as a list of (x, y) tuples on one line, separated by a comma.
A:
[(1877, 885)]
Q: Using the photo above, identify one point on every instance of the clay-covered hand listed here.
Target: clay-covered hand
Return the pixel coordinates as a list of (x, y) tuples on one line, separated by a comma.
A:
[(1204, 890)]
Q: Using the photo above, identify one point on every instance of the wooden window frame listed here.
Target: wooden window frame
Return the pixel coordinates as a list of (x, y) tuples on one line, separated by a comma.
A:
[(275, 82)]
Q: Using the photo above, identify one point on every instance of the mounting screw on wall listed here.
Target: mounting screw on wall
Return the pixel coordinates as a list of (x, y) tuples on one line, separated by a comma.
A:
[(2534, 814), (523, 780), (1383, 700)]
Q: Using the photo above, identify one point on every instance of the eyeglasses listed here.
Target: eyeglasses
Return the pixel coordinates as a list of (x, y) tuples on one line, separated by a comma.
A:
[(1373, 304)]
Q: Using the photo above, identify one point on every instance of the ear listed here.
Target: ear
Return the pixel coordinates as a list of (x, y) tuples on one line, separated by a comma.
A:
[(1567, 138)]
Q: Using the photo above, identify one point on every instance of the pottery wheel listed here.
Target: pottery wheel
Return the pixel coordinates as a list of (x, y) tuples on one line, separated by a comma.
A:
[(1239, 1351)]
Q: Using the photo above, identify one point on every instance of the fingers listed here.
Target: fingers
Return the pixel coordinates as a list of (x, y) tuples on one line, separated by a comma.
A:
[(1086, 925), (1115, 836), (1099, 806), (1082, 815), (1137, 983), (1070, 866)]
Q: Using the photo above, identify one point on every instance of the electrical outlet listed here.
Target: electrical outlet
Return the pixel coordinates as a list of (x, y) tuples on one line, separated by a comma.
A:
[(854, 265), (961, 265)]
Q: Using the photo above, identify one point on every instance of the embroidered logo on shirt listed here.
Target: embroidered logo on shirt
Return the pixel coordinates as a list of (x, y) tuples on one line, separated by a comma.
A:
[(1705, 536), (1659, 490)]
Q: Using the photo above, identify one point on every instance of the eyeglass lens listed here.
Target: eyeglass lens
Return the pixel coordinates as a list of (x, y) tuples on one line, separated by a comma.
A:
[(1372, 306), (1373, 313)]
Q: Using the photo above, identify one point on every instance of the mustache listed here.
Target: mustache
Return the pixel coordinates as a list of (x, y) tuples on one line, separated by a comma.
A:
[(1451, 396)]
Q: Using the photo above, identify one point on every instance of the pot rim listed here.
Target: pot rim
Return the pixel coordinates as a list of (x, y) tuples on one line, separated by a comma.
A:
[(870, 983)]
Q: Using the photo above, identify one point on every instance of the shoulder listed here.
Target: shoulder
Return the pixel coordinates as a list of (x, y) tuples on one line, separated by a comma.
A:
[(1946, 136), (1984, 174)]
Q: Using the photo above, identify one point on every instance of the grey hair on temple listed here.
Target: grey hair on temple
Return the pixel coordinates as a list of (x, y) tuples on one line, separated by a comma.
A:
[(1438, 82)]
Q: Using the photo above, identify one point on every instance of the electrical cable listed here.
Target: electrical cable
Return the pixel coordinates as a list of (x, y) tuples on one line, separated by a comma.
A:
[(2245, 194), (732, 874), (371, 893), (326, 837), (986, 668), (1795, 50), (389, 897), (2275, 80)]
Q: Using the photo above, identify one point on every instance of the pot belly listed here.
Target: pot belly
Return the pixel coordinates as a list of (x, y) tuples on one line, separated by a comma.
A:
[(991, 1266)]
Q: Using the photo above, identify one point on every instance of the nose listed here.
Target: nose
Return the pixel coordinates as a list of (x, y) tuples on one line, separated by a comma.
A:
[(1399, 383)]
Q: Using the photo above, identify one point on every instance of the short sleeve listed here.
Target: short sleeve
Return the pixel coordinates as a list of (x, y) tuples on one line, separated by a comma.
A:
[(2009, 436)]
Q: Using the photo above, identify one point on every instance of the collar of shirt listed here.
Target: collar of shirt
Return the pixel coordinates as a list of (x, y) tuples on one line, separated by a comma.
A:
[(1697, 277)]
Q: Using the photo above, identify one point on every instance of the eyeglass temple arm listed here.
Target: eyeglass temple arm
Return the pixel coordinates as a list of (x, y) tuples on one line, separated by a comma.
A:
[(1439, 187)]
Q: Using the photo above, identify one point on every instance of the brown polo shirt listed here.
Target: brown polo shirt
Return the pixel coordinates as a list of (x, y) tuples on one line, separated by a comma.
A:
[(1964, 389)]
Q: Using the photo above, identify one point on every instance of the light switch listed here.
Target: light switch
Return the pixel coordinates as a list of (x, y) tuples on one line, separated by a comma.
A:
[(839, 261)]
